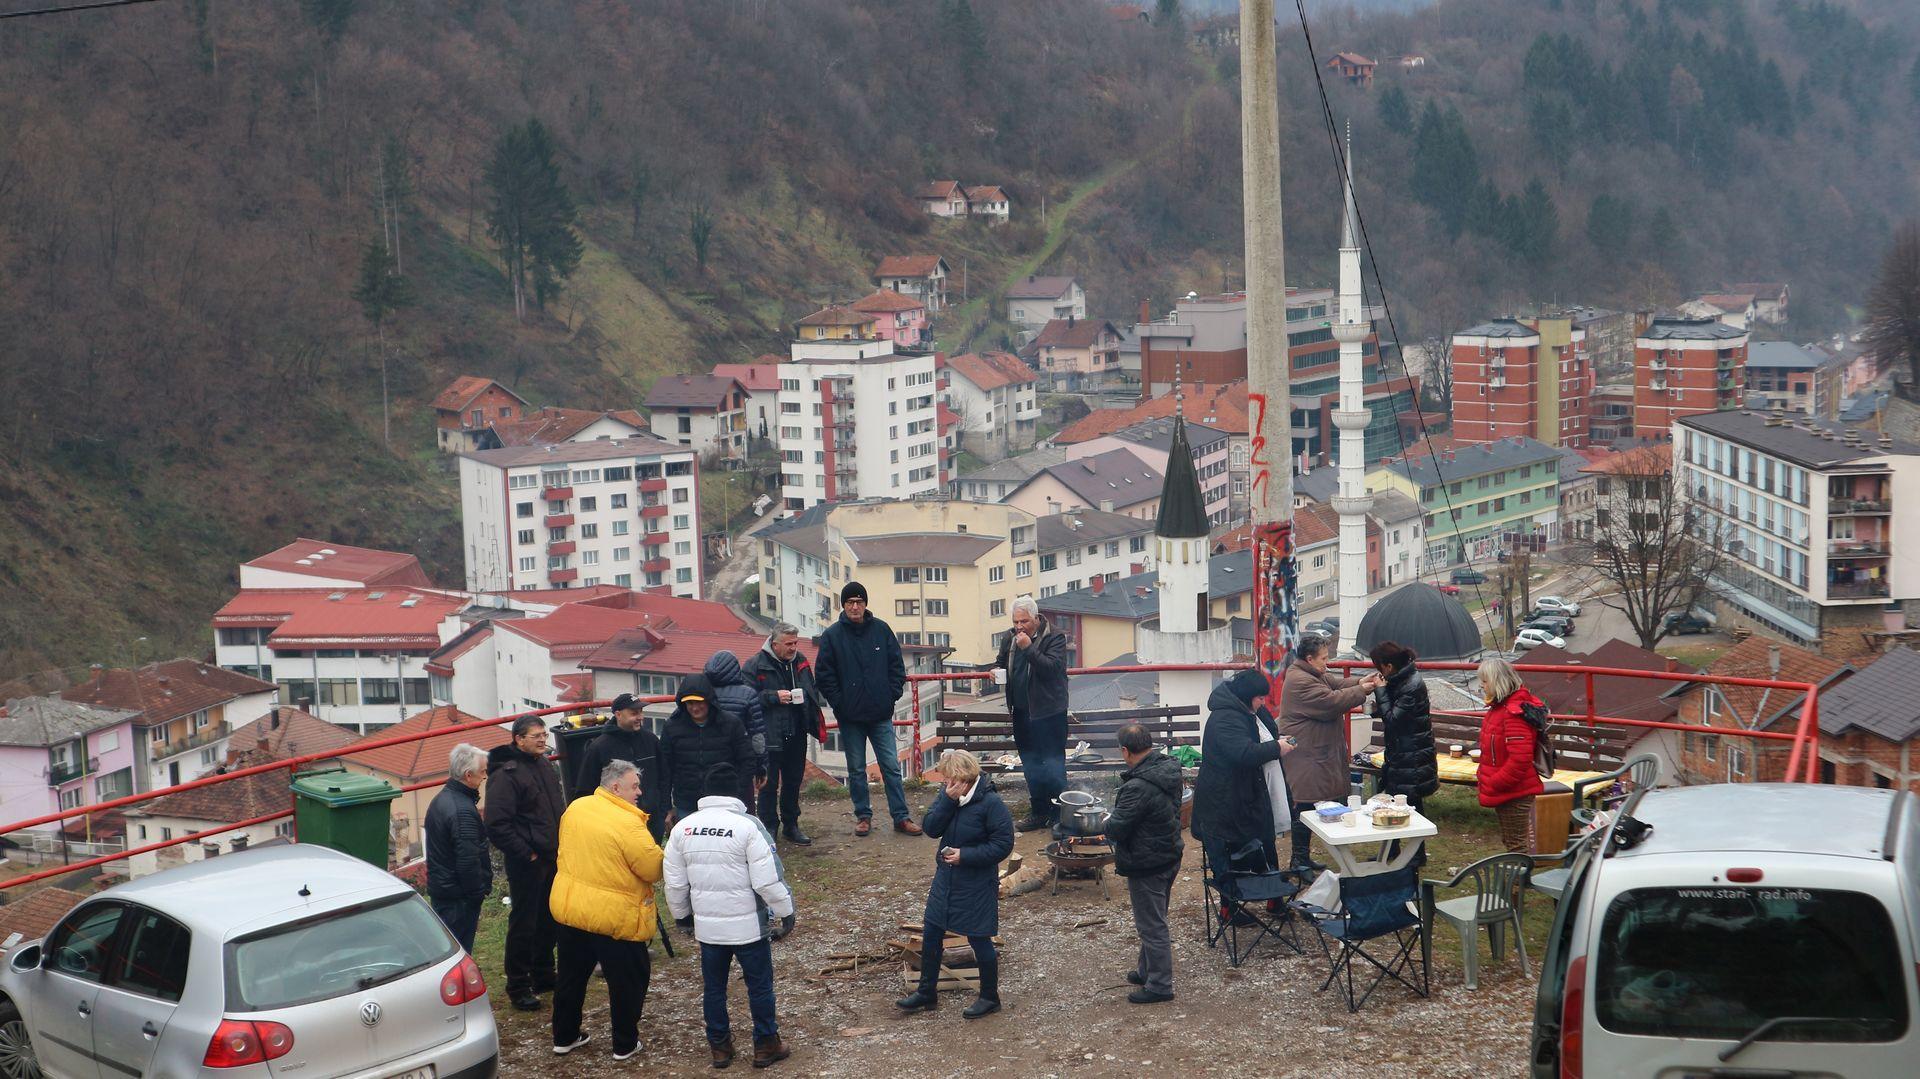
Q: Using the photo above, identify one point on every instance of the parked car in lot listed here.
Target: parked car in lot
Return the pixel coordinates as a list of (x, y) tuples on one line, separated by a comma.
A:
[(1558, 625), (1687, 622), (1325, 627), (1467, 575), (1757, 929), (1529, 638), (284, 961), (1558, 604), (1448, 589)]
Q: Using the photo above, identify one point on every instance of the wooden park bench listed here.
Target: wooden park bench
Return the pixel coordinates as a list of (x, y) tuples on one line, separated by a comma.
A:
[(989, 735)]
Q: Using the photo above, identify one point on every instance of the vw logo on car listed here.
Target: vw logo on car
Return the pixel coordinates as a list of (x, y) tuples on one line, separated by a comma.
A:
[(370, 1013)]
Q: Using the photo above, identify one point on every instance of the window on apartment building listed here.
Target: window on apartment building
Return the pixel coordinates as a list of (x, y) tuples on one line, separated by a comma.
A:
[(682, 547), (589, 582), (997, 609), (623, 554), (523, 509), (620, 528), (1049, 563), (589, 504), (586, 475), (681, 520), (1073, 584), (590, 531), (679, 494), (380, 690), (1319, 561), (1499, 505), (1454, 489), (528, 564), (934, 575), (906, 606), (906, 575), (996, 574), (524, 537), (417, 690), (911, 640), (655, 580), (683, 576), (622, 474), (589, 558), (73, 799), (1023, 568), (940, 640), (556, 561), (1137, 544), (937, 608), (339, 691), (1113, 548), (790, 408), (522, 482)]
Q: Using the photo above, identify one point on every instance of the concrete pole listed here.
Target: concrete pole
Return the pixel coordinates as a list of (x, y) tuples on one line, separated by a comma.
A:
[(1351, 502), (1276, 584)]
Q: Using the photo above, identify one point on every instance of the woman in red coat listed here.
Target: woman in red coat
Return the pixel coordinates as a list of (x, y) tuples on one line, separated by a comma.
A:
[(1507, 779)]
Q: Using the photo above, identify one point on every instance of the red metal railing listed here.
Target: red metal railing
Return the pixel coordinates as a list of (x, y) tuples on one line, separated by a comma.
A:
[(1802, 762)]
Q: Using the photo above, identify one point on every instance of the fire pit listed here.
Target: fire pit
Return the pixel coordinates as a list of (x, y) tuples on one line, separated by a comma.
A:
[(1080, 857)]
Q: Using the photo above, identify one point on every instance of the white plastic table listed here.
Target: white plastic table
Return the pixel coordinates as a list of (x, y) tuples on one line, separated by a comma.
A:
[(1346, 842)]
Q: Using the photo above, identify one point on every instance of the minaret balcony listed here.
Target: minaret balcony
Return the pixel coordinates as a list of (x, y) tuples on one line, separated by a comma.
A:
[(1213, 644)]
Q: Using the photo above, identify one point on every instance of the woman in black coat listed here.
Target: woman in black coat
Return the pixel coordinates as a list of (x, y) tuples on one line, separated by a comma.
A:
[(1406, 722), (975, 831), (1232, 809)]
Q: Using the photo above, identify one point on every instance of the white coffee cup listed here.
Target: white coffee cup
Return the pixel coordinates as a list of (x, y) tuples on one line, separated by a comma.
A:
[(999, 676), (799, 695)]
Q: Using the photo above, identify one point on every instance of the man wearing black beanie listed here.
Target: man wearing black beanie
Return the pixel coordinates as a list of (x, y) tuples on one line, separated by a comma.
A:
[(861, 676)]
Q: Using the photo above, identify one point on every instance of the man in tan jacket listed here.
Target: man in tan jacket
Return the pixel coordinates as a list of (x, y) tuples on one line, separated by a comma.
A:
[(1314, 703)]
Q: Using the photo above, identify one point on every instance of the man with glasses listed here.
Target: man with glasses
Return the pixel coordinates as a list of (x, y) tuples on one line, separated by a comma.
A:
[(524, 805)]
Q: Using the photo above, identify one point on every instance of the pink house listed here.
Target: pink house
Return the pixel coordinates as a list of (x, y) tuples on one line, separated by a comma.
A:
[(57, 754), (897, 318)]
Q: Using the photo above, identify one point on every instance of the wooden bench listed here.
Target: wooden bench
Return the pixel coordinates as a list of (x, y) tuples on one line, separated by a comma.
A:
[(989, 735), (1579, 748)]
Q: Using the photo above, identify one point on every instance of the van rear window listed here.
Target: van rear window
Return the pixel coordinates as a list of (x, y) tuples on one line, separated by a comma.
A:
[(1718, 962), (336, 953)]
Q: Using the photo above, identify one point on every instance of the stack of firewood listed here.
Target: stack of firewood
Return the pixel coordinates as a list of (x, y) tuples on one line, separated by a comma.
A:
[(959, 969)]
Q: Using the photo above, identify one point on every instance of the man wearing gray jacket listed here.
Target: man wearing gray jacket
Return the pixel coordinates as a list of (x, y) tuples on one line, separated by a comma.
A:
[(1033, 664)]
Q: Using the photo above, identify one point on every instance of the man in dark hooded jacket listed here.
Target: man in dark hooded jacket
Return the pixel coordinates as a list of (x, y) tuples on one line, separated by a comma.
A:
[(1232, 811), (861, 674), (1145, 831), (628, 739), (734, 692), (524, 804), (699, 735)]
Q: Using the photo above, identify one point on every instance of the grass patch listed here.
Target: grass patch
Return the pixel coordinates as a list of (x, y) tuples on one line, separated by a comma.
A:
[(826, 788), (1696, 655)]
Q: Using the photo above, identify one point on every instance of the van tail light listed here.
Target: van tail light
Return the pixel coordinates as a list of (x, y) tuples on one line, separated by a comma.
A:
[(1744, 876), (239, 1042), (1573, 1016), (463, 983)]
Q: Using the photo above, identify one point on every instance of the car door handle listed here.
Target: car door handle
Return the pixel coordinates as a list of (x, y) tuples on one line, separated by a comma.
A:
[(85, 1008), (150, 1030)]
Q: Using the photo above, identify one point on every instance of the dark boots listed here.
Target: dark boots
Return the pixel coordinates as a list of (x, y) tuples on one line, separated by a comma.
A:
[(723, 1053), (769, 1051), (988, 1001), (926, 996)]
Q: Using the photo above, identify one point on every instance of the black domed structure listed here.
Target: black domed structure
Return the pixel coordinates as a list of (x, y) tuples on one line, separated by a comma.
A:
[(1423, 618)]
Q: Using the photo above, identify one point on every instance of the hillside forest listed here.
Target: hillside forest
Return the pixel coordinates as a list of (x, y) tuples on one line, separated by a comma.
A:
[(245, 244)]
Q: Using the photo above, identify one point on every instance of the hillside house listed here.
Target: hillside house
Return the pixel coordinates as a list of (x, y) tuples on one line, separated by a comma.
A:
[(1868, 727), (57, 754), (424, 761), (897, 317), (1041, 299), (1736, 310), (1352, 67), (467, 407), (705, 412), (183, 712), (921, 277), (214, 806), (554, 426), (943, 198), (837, 323), (1075, 354), (1715, 758), (990, 202), (993, 396), (1769, 299), (761, 380)]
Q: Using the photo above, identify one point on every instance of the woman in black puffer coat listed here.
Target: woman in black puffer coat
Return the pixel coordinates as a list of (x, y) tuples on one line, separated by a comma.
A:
[(975, 831), (1406, 723)]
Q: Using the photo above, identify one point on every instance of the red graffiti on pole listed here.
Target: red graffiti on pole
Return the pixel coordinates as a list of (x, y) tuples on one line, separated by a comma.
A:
[(1258, 445)]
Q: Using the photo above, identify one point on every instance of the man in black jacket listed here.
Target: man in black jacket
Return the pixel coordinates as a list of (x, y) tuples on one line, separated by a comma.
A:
[(628, 739), (699, 735), (791, 703), (459, 869), (862, 675), (1145, 831), (524, 804), (1033, 662)]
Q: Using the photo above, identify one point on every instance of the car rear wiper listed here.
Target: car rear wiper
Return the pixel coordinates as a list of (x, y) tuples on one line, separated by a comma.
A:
[(1760, 1031)]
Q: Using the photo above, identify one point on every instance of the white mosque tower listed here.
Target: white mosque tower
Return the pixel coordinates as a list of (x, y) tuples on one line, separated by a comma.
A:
[(1185, 631), (1351, 500)]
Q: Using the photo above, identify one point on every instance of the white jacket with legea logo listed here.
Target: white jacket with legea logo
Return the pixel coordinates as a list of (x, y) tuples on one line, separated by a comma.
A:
[(719, 860)]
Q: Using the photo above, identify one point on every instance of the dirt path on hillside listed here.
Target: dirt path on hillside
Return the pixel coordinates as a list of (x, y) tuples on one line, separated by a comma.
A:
[(724, 584), (1065, 1008)]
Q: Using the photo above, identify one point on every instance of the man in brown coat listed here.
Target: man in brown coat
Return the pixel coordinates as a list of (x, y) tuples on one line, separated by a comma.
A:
[(1314, 703)]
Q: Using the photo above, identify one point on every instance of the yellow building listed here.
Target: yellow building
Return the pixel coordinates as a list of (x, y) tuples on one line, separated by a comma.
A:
[(836, 323), (1100, 619)]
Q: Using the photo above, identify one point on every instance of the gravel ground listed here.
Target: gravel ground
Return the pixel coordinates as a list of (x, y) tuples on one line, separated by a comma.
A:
[(1064, 990)]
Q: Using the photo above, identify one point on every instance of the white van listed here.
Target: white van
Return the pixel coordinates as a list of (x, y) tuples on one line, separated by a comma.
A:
[(1759, 929)]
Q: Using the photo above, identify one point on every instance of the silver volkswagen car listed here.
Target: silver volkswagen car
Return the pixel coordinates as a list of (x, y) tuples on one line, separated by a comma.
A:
[(279, 961)]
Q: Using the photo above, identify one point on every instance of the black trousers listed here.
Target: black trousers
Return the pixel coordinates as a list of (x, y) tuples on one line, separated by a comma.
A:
[(1302, 837), (780, 798), (628, 971), (530, 929)]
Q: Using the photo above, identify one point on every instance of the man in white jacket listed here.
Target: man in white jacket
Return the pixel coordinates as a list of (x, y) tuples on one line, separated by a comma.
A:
[(719, 867)]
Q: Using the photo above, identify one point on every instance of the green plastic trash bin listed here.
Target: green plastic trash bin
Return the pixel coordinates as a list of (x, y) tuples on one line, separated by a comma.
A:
[(346, 811)]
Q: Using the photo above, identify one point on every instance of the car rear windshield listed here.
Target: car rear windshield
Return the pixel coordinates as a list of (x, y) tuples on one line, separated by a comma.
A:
[(1717, 962), (340, 952)]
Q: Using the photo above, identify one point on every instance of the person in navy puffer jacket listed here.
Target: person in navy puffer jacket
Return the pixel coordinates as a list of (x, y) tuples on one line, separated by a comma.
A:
[(737, 697)]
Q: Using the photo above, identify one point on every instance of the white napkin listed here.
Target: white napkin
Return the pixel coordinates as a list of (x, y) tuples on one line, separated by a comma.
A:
[(1276, 787)]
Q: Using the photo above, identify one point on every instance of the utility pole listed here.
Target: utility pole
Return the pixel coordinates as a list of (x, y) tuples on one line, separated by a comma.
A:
[(1276, 580)]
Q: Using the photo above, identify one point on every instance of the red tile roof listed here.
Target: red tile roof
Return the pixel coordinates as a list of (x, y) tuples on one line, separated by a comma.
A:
[(290, 732), (461, 392), (360, 618), (573, 688), (940, 189), (164, 691), (339, 561), (836, 315), (992, 370), (1073, 333), (1625, 698), (551, 425), (679, 652), (986, 193), (1650, 460), (756, 377), (577, 629), (232, 800), (34, 914), (947, 417), (1749, 659), (1728, 301), (1313, 525), (887, 301), (691, 391), (1351, 58), (1222, 407), (908, 266), (426, 758)]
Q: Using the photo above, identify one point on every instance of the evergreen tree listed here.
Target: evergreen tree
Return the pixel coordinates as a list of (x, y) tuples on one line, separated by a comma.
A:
[(1396, 111), (532, 217), (330, 17), (1610, 225), (1534, 224), (393, 196), (380, 292), (967, 37), (1446, 171)]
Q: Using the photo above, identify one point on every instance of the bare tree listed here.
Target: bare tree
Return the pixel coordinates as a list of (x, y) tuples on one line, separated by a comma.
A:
[(1893, 306), (1653, 551)]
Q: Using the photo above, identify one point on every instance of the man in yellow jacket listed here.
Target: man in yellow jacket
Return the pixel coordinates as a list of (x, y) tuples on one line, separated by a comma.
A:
[(603, 904)]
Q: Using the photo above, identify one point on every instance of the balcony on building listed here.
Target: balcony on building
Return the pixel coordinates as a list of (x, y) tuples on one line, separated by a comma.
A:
[(205, 736), (656, 565), (557, 494), (558, 520), (562, 547), (68, 771), (653, 539), (1853, 496), (562, 576), (1858, 590), (653, 484), (657, 510)]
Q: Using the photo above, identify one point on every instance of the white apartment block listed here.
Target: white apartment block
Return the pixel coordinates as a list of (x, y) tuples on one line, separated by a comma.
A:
[(1079, 547), (623, 512), (857, 420)]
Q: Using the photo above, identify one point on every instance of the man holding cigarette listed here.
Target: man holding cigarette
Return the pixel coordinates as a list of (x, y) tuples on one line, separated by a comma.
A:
[(1032, 664)]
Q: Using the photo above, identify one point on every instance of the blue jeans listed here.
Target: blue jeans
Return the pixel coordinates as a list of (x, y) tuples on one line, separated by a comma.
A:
[(756, 967), (461, 916), (1042, 745), (853, 741)]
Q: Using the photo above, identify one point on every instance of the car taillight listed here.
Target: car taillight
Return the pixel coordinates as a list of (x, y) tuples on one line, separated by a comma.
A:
[(1573, 1015), (239, 1042), (463, 983), (1744, 876)]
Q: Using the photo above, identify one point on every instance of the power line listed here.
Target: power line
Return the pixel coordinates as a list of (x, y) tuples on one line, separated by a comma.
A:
[(1366, 240), (95, 5)]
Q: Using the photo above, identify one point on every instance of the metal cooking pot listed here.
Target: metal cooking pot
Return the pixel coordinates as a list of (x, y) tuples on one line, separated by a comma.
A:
[(1082, 812)]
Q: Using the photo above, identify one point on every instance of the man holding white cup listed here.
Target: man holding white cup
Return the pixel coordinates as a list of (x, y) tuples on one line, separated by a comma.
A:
[(1032, 665), (791, 703)]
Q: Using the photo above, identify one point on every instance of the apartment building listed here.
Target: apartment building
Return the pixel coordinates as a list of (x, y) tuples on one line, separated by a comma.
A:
[(1797, 378), (1150, 441), (705, 412), (1808, 513), (857, 420), (1478, 500), (1527, 377), (57, 754), (761, 380), (1683, 367), (995, 396), (1115, 481), (183, 712), (312, 563), (623, 511)]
